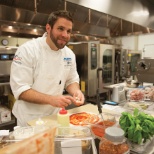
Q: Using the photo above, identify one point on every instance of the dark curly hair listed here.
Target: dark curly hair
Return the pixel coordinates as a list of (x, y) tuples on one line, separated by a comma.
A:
[(53, 17)]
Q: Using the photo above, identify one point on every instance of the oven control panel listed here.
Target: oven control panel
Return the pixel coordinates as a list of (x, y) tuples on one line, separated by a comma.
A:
[(93, 56), (123, 63)]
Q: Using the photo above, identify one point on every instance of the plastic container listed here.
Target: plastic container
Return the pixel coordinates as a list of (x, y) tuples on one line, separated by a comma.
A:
[(21, 133), (74, 131), (72, 134), (113, 142), (143, 147), (136, 94)]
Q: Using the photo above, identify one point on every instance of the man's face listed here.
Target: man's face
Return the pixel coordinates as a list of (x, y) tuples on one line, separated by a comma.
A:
[(61, 32)]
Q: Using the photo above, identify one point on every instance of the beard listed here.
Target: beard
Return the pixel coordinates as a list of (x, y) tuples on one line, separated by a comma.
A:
[(59, 42)]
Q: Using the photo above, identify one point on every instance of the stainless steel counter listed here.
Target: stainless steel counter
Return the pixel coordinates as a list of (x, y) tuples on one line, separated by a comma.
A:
[(92, 109), (52, 120)]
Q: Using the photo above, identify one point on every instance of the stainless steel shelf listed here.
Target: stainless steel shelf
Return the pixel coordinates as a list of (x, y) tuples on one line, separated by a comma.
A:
[(8, 125)]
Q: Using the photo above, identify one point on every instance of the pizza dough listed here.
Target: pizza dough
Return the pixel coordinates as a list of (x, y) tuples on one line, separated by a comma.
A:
[(83, 118)]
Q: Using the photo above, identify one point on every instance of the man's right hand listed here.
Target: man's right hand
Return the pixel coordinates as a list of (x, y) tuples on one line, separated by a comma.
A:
[(61, 101)]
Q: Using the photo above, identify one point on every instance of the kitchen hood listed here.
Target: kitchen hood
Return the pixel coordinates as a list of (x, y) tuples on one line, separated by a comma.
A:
[(109, 18), (94, 30), (136, 11)]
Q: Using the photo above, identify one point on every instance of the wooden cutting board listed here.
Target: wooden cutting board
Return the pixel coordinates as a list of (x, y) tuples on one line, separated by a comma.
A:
[(48, 121), (52, 120)]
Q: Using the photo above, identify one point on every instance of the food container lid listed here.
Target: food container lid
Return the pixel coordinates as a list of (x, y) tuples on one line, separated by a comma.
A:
[(114, 134), (63, 111), (73, 132)]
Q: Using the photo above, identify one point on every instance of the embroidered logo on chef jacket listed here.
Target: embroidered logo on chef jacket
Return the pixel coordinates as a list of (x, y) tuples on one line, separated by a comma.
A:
[(17, 59), (67, 62)]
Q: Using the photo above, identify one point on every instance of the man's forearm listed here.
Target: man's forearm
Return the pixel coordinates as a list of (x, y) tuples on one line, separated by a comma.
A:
[(72, 88), (36, 97)]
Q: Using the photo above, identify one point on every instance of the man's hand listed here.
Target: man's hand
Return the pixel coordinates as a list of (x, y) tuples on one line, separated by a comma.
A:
[(61, 101), (79, 98)]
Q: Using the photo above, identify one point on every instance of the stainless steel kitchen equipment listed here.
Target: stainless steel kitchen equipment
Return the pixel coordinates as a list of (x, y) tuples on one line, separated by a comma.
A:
[(87, 64), (6, 57), (133, 57), (123, 63), (98, 93), (145, 70), (128, 62), (145, 65), (106, 61)]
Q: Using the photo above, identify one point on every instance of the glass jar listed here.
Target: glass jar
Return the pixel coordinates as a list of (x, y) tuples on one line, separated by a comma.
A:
[(113, 142)]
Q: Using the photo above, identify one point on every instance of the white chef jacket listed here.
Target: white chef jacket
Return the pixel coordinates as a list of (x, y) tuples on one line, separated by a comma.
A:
[(38, 67)]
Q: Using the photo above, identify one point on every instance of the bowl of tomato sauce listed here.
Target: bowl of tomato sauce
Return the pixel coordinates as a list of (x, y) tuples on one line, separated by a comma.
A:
[(98, 129)]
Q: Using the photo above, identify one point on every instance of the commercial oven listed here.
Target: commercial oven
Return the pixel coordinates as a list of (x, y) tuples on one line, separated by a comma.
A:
[(6, 57), (106, 61), (87, 64)]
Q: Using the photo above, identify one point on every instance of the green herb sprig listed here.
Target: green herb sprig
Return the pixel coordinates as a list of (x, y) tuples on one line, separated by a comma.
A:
[(138, 127)]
